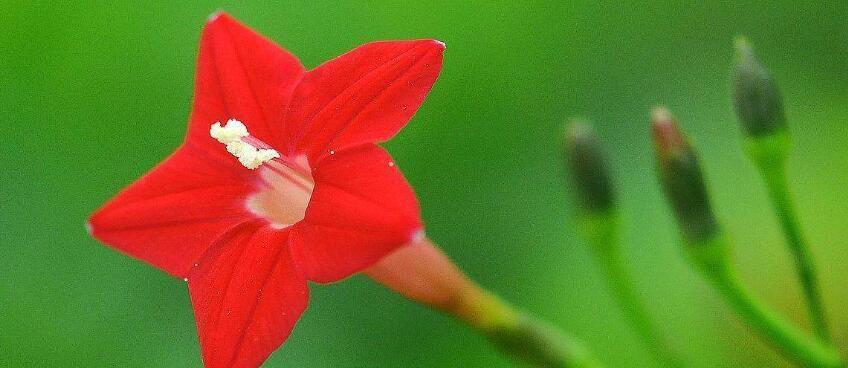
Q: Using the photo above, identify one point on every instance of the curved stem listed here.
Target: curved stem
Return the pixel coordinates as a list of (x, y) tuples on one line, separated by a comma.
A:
[(422, 273), (774, 175), (788, 339), (620, 283), (602, 231)]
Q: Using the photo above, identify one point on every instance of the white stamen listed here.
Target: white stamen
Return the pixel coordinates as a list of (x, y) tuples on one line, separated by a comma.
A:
[(232, 132), (233, 135)]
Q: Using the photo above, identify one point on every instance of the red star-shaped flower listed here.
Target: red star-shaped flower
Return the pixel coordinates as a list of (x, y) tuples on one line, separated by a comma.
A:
[(279, 181)]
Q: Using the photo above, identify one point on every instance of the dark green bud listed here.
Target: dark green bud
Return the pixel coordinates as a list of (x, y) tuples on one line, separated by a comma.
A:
[(681, 177), (755, 95), (589, 168)]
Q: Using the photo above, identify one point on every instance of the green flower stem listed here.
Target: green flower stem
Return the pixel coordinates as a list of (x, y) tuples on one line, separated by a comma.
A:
[(423, 273), (769, 154), (529, 340), (602, 231), (621, 285), (779, 192), (710, 255)]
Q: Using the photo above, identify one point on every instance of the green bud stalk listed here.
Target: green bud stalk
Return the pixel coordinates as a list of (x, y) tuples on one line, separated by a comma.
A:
[(709, 248), (598, 222), (787, 338), (759, 107)]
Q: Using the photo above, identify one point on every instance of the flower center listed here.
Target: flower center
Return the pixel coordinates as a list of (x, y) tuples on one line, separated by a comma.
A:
[(285, 184), (283, 195)]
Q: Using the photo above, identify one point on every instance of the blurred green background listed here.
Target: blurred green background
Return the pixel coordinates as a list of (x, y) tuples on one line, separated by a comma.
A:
[(94, 94)]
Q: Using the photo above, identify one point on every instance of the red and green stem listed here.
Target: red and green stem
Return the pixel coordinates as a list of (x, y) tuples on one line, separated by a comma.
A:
[(422, 273)]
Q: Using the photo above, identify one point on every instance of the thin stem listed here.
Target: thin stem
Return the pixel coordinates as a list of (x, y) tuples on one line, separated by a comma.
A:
[(604, 234), (620, 283), (422, 273), (787, 338), (532, 341), (774, 174)]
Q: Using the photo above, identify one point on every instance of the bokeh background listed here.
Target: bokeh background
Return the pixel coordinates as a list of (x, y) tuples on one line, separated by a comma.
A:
[(93, 94)]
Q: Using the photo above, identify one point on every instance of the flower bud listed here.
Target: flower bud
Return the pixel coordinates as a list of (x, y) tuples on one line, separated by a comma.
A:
[(589, 168), (681, 177), (755, 95)]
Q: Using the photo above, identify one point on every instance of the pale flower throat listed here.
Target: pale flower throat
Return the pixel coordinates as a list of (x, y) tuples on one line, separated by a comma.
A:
[(285, 185)]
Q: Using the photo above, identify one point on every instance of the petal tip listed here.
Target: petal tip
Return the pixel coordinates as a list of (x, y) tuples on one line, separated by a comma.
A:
[(417, 236), (215, 16), (440, 44)]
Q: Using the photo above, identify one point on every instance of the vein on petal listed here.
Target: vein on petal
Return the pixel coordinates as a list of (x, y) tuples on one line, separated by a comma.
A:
[(356, 195), (308, 123), (209, 323), (172, 223), (247, 80), (255, 306), (373, 100), (237, 188)]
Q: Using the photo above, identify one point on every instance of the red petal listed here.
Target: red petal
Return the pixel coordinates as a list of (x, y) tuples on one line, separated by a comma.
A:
[(170, 216), (364, 96), (247, 296), (241, 75), (361, 209)]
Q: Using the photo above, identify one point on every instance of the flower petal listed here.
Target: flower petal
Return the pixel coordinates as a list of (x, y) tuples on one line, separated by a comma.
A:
[(364, 96), (362, 208), (241, 75), (247, 296), (170, 216)]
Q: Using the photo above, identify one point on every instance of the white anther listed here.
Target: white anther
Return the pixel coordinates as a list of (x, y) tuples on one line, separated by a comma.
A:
[(233, 135), (234, 131)]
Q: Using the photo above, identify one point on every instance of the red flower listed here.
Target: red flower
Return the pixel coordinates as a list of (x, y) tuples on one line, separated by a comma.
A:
[(288, 186)]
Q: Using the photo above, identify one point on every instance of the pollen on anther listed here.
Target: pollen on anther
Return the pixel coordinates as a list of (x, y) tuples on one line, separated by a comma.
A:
[(391, 164), (232, 135), (232, 132)]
